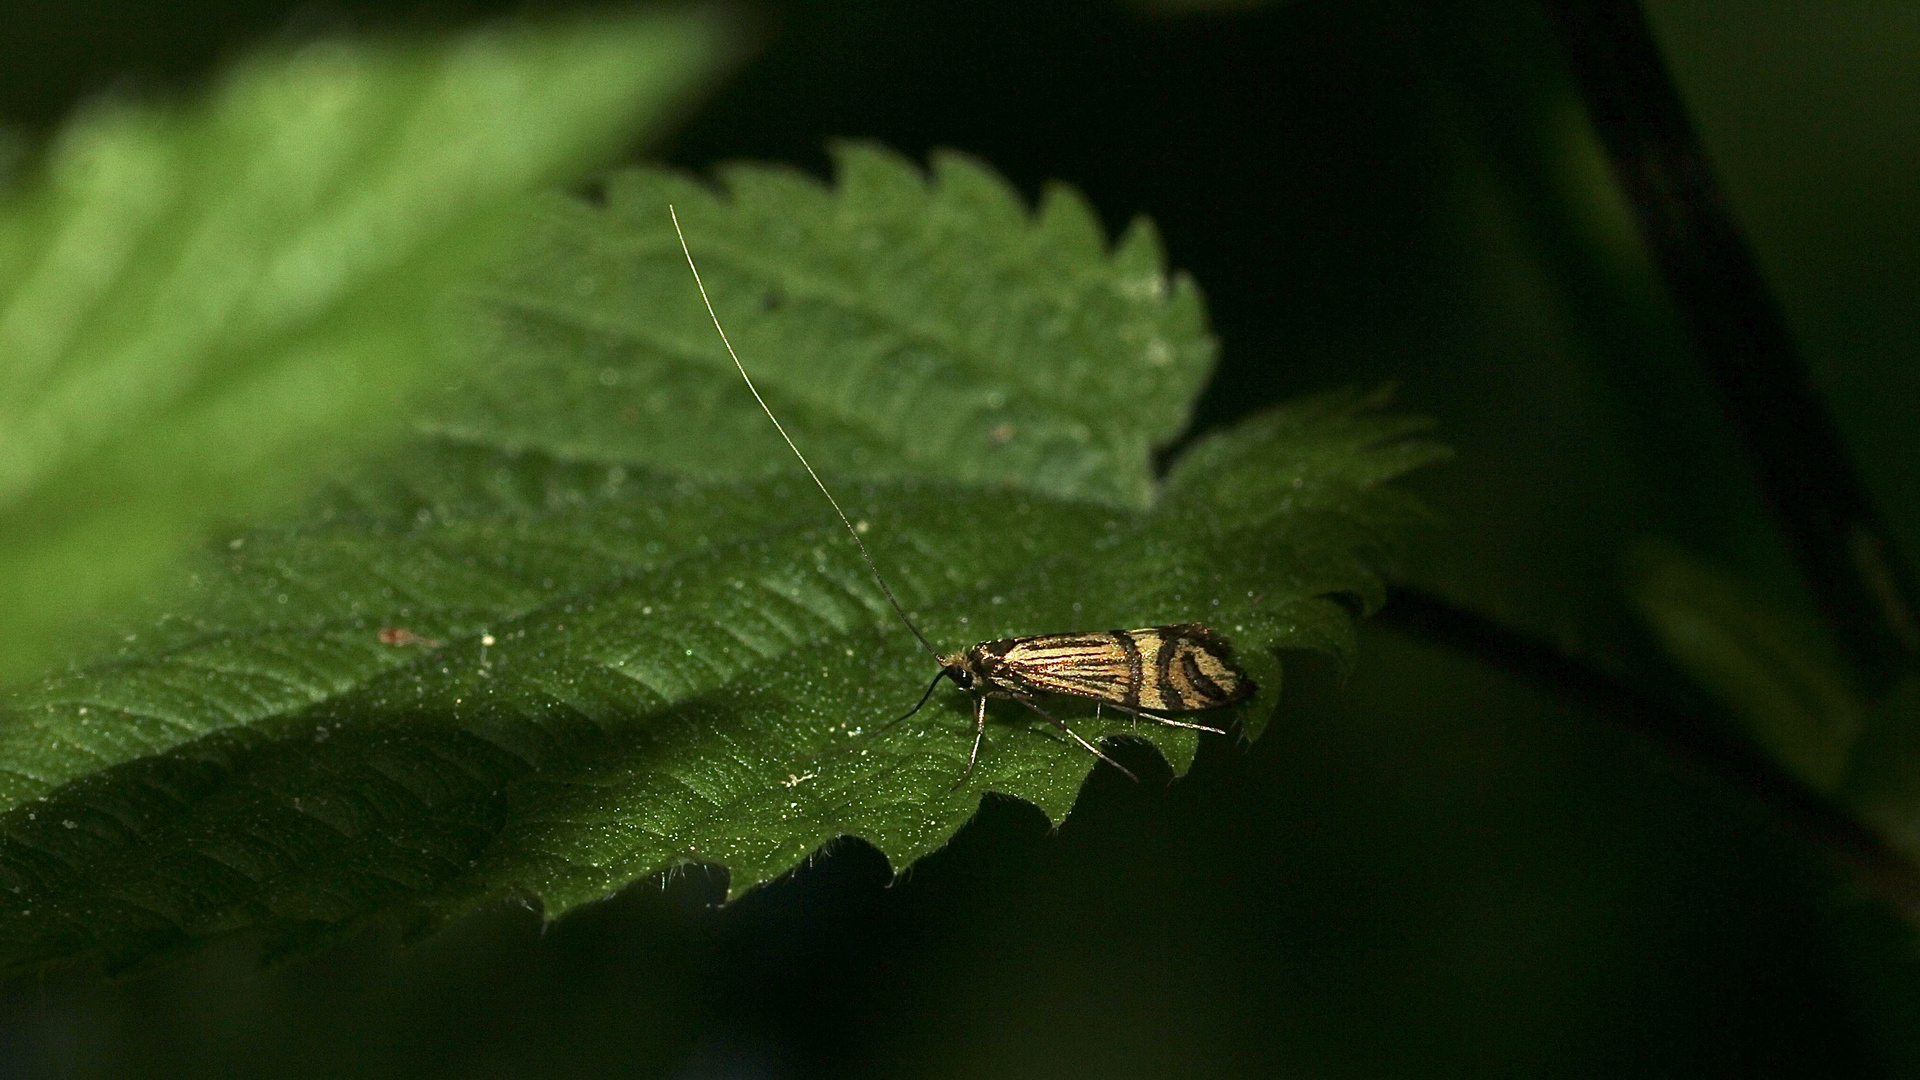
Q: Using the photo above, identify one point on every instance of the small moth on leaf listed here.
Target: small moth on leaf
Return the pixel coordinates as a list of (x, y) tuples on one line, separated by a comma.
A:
[(1184, 667)]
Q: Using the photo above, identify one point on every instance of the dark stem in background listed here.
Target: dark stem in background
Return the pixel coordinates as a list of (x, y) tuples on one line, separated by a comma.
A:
[(1697, 736), (1740, 335)]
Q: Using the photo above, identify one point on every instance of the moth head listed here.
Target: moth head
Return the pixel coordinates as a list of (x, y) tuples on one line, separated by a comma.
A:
[(956, 668)]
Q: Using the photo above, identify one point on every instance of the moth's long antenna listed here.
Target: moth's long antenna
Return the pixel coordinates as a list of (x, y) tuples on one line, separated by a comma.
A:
[(851, 531), (923, 700), (891, 724)]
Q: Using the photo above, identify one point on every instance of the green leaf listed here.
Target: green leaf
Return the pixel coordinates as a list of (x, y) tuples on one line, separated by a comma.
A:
[(591, 624), (200, 305), (1778, 673), (897, 327)]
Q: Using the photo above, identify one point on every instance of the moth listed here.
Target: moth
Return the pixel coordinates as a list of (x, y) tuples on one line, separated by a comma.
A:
[(1184, 667)]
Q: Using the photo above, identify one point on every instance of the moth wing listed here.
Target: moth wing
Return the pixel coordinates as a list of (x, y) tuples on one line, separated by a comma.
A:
[(1189, 668), (1180, 668), (1095, 666)]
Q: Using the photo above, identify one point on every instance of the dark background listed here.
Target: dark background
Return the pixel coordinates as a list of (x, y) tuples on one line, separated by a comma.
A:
[(1428, 868)]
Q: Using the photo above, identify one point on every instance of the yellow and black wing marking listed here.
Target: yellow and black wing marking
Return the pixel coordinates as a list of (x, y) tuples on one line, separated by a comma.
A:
[(1183, 668), (1192, 668)]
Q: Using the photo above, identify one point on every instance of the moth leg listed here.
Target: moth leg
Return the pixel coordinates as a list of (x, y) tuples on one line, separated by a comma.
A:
[(1075, 736), (979, 733), (979, 730), (1170, 723)]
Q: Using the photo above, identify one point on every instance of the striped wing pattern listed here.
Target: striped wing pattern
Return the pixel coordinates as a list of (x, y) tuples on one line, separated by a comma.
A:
[(1182, 668)]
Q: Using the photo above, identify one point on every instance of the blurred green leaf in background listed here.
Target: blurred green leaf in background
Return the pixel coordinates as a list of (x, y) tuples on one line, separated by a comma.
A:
[(200, 303), (1779, 674)]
